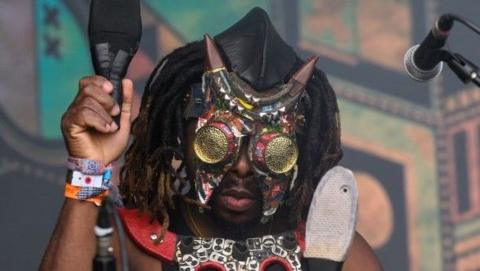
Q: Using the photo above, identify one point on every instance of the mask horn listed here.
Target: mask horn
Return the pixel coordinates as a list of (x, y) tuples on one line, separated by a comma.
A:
[(213, 59), (305, 72)]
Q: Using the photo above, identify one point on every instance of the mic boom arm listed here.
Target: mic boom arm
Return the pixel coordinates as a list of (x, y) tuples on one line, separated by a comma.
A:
[(465, 70)]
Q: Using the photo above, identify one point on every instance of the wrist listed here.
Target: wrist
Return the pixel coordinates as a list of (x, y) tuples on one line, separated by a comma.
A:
[(79, 204)]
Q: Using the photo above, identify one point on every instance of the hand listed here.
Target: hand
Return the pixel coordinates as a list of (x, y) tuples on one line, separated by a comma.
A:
[(87, 126)]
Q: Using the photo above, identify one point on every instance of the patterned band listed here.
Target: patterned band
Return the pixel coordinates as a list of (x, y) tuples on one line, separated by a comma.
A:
[(92, 188), (87, 166), (79, 193)]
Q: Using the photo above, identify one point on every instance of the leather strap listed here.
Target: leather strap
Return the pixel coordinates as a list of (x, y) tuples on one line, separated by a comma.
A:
[(141, 228)]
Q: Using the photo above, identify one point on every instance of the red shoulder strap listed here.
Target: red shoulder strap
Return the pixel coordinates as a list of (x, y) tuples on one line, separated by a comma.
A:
[(140, 230)]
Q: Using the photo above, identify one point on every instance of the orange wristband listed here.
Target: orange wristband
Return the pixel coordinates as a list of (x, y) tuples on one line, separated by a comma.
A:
[(72, 192)]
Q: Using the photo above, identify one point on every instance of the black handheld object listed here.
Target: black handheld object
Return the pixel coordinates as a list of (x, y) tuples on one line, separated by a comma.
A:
[(114, 32), (423, 61)]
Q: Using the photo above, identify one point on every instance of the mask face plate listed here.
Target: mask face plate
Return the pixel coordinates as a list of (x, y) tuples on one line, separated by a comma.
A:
[(233, 111), (272, 150)]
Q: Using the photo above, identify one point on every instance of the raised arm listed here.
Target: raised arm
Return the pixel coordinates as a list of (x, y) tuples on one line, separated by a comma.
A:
[(89, 133)]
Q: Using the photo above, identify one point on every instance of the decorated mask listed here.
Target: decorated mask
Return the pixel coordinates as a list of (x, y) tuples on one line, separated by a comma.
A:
[(234, 111)]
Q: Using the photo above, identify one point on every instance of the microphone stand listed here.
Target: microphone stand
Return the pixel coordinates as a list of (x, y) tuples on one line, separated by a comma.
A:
[(104, 259), (465, 69)]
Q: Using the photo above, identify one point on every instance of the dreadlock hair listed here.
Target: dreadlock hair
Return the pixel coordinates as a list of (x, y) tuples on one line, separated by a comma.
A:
[(158, 135)]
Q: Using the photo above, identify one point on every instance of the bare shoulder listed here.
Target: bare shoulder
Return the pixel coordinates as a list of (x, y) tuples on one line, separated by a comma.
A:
[(138, 260), (361, 256), (141, 261)]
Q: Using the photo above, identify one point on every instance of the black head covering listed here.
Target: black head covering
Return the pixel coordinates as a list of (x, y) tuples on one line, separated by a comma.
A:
[(256, 52)]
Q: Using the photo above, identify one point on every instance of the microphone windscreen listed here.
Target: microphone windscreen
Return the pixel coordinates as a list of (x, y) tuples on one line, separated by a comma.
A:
[(117, 22), (331, 219)]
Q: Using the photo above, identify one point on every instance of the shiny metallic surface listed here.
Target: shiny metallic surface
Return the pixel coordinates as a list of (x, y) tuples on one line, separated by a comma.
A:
[(259, 252), (281, 154), (210, 144), (417, 73)]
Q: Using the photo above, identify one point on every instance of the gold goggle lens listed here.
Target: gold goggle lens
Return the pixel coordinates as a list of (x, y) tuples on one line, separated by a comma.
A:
[(281, 154), (210, 144)]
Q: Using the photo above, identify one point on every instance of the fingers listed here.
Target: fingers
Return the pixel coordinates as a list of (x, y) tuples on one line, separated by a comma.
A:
[(91, 104), (94, 107), (88, 114), (125, 118), (92, 119), (98, 88), (96, 80), (97, 94)]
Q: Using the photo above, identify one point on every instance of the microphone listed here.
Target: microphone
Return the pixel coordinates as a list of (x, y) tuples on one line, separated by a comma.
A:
[(114, 32), (423, 61), (331, 220), (104, 259)]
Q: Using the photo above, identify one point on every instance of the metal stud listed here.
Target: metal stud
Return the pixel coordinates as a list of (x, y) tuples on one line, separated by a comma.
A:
[(275, 114), (248, 96), (231, 104), (262, 114), (240, 108), (255, 99), (226, 97), (282, 109), (155, 238), (222, 90)]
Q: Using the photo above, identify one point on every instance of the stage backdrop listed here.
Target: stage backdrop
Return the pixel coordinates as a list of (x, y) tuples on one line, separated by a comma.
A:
[(415, 148)]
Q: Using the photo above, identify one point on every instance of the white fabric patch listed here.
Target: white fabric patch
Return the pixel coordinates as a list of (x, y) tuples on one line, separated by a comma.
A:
[(332, 216), (82, 180), (100, 232)]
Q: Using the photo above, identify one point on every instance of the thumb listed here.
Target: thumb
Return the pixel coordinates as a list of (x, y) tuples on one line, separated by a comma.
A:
[(125, 117)]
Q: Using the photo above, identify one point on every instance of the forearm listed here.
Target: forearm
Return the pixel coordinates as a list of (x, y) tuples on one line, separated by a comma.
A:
[(72, 245)]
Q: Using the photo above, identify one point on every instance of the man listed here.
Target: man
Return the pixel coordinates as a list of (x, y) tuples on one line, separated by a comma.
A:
[(233, 136)]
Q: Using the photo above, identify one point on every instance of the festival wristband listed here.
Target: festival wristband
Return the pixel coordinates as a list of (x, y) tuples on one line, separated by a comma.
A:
[(92, 188), (87, 166), (75, 192)]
